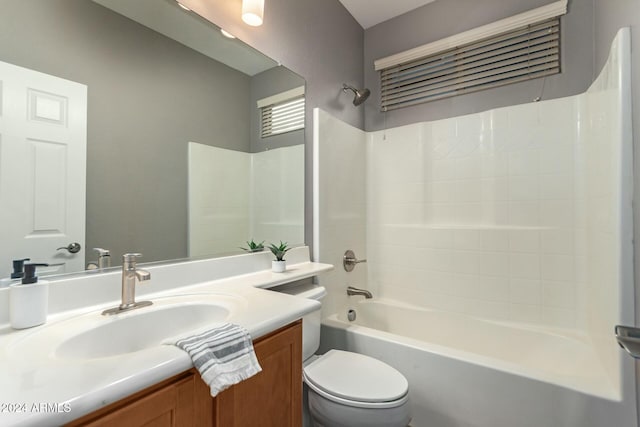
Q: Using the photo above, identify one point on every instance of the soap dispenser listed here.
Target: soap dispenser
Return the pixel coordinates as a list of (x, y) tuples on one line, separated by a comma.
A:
[(29, 299), (18, 268), (18, 273)]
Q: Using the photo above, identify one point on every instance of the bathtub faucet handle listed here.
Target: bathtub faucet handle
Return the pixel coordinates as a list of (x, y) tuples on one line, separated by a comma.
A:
[(349, 260)]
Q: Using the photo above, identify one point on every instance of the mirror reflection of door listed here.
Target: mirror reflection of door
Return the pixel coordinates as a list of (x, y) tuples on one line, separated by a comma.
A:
[(157, 77), (43, 136)]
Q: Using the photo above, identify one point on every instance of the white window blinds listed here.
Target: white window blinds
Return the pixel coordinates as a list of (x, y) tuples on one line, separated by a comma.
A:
[(509, 51), (282, 113)]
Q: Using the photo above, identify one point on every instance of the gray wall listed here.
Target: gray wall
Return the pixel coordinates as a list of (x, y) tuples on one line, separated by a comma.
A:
[(263, 85), (444, 18), (148, 96), (317, 39)]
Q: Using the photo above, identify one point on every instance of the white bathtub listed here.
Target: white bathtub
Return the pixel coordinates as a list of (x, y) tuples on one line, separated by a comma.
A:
[(465, 371)]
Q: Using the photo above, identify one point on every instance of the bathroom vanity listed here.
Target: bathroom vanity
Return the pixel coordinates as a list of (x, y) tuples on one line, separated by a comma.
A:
[(84, 368), (270, 398)]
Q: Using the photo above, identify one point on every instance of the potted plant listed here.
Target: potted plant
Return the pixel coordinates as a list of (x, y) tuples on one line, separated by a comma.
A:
[(254, 247), (280, 264)]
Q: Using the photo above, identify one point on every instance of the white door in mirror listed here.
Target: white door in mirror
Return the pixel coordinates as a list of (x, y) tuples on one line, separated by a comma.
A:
[(43, 136)]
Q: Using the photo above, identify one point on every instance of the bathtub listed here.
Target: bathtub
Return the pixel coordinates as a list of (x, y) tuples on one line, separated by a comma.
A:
[(465, 371)]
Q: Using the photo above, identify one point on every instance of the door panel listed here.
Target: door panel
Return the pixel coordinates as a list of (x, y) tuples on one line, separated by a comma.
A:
[(43, 135)]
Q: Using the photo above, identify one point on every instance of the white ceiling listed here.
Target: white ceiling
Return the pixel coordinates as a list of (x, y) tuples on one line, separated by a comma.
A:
[(371, 12)]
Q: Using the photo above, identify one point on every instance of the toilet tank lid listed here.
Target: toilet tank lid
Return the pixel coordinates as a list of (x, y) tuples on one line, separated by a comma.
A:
[(356, 377)]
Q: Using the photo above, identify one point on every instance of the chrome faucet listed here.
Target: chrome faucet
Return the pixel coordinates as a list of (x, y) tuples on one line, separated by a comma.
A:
[(104, 258), (129, 276), (355, 291)]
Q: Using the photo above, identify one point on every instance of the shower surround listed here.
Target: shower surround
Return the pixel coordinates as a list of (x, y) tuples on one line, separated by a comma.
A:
[(520, 216), (262, 199)]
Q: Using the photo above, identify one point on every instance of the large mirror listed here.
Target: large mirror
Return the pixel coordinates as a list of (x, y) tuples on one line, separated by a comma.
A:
[(136, 126)]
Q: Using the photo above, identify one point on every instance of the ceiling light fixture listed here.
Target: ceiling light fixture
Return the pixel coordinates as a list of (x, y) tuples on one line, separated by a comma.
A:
[(227, 34), (252, 12)]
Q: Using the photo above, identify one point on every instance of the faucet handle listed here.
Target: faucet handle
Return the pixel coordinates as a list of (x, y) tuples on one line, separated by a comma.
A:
[(349, 260), (130, 257), (129, 261)]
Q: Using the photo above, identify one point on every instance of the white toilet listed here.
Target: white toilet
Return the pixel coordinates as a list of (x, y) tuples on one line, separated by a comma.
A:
[(346, 389)]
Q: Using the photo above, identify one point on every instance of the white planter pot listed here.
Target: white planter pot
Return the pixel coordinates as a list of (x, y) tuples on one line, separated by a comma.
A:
[(278, 266)]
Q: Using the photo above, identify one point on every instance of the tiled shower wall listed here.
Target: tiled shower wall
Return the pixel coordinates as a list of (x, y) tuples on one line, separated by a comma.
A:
[(520, 214), (477, 214)]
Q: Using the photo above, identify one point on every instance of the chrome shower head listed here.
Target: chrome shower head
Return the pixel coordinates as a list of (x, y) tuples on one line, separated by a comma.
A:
[(360, 95)]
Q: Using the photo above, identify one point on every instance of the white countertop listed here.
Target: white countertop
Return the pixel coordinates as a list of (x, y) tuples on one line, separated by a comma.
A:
[(29, 381)]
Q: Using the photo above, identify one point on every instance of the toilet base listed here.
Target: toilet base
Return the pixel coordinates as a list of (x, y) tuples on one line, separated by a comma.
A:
[(326, 413)]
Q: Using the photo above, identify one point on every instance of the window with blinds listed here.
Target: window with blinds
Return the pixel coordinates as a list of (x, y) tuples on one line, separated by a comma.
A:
[(520, 54), (282, 117)]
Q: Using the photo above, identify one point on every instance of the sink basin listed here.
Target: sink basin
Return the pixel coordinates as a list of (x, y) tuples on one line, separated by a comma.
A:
[(142, 330), (93, 335)]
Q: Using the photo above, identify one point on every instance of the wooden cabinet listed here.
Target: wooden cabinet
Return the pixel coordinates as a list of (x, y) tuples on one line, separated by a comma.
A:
[(170, 403), (272, 398)]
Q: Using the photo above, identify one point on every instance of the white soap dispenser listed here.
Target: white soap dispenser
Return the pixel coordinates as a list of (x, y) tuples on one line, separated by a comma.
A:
[(29, 300)]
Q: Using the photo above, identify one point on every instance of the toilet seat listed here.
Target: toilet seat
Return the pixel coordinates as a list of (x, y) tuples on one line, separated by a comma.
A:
[(356, 380)]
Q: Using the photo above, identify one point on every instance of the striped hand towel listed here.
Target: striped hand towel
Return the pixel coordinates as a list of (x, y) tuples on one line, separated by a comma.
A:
[(224, 356)]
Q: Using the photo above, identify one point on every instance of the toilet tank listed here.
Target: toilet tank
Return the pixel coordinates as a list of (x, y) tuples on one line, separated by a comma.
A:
[(310, 321)]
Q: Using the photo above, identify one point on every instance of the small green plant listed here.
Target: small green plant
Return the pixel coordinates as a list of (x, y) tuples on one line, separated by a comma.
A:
[(254, 247), (279, 251)]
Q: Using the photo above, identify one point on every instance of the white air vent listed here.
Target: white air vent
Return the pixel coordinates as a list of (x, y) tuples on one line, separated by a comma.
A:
[(523, 47)]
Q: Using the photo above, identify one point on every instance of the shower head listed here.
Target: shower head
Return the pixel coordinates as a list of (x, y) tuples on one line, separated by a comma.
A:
[(360, 95)]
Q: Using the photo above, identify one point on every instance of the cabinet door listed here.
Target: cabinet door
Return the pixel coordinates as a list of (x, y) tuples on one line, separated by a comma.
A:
[(272, 398), (171, 405)]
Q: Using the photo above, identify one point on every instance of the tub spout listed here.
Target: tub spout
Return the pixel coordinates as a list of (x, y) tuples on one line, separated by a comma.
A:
[(355, 291)]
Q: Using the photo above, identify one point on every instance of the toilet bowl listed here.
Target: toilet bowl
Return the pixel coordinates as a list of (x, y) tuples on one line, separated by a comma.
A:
[(346, 389), (352, 390)]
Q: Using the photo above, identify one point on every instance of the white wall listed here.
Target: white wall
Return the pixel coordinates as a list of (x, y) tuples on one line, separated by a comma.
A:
[(277, 195), (340, 214), (606, 185), (218, 214), (262, 199)]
